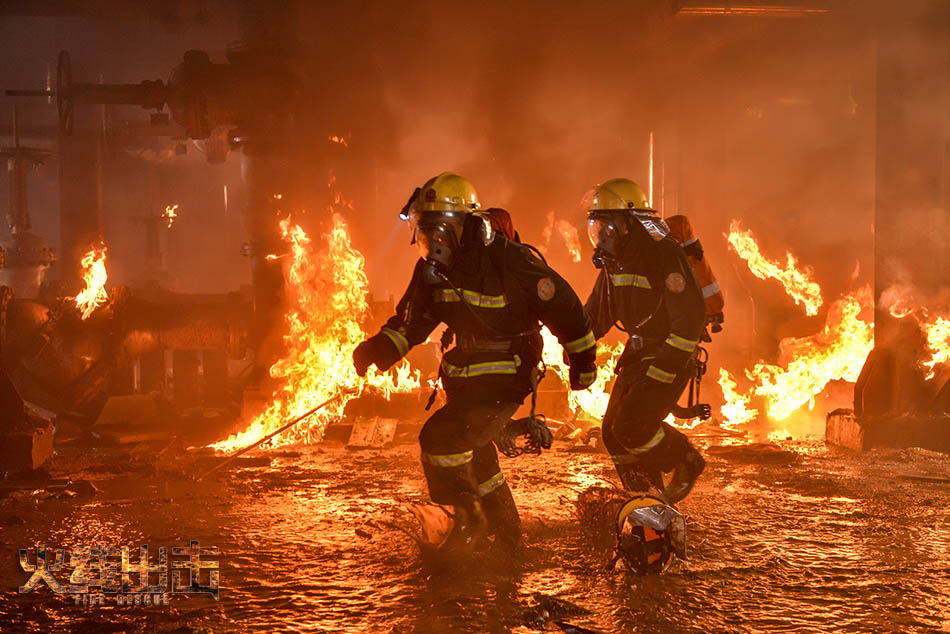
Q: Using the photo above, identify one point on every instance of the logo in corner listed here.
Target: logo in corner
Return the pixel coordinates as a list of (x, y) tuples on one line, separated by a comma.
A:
[(545, 289), (675, 283)]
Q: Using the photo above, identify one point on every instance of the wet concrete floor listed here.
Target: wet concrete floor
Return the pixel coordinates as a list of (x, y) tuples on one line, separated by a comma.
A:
[(799, 539)]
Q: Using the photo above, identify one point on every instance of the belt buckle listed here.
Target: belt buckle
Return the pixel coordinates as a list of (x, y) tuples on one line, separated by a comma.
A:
[(635, 343)]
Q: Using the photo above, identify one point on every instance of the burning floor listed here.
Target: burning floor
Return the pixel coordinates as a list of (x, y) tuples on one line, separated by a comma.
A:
[(791, 536)]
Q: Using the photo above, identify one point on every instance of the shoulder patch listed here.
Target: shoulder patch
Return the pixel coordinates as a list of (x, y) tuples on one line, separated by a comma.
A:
[(675, 283), (545, 289)]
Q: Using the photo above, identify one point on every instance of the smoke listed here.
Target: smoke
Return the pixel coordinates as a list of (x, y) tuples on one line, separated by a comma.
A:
[(771, 122)]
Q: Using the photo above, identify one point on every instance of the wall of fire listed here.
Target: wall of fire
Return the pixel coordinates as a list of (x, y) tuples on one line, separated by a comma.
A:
[(774, 119)]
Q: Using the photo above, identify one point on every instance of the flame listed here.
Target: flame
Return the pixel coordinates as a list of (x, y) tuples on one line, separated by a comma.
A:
[(901, 303), (779, 434), (837, 352), (569, 234), (938, 340), (171, 212), (798, 283), (736, 410), (327, 292), (591, 402), (333, 138), (566, 230), (94, 276)]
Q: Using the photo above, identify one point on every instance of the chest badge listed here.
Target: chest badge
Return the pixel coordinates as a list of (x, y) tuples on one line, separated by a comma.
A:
[(545, 289), (675, 283)]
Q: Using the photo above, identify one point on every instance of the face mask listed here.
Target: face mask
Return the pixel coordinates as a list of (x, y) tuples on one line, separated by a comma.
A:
[(437, 238), (606, 236)]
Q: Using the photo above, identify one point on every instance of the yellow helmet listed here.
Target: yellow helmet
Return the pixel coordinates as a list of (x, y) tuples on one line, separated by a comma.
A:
[(437, 213), (650, 534), (617, 194), (447, 192)]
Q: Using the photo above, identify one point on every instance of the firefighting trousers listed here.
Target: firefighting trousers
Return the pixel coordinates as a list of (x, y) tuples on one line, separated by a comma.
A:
[(639, 442), (458, 456)]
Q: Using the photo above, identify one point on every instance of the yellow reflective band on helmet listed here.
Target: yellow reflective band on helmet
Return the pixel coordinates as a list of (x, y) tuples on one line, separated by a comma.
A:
[(579, 345), (502, 366), (650, 444), (492, 483), (630, 279), (680, 343), (472, 298), (710, 290), (401, 343), (448, 460), (662, 376)]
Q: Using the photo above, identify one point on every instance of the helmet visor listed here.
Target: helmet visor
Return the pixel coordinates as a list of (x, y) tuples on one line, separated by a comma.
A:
[(436, 234), (605, 233)]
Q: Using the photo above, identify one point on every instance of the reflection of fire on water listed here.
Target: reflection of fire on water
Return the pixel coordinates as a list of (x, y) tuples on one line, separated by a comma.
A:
[(94, 277), (327, 293)]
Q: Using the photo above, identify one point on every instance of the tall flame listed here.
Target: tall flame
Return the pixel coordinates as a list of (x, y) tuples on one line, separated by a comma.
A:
[(327, 293), (837, 352), (94, 277), (566, 230), (938, 340), (171, 212), (798, 283), (736, 410), (569, 234), (591, 402)]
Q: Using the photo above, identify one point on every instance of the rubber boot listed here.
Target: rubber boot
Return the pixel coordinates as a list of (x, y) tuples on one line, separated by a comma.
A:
[(471, 525), (685, 474), (503, 519), (636, 479)]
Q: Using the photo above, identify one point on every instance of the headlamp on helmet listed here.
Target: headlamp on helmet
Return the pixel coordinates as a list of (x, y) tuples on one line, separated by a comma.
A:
[(436, 213)]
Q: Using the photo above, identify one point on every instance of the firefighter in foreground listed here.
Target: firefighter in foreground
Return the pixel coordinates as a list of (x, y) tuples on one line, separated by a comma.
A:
[(491, 292), (646, 284)]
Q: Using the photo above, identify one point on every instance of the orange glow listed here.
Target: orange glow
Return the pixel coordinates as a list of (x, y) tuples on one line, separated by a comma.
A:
[(736, 410), (901, 303), (338, 139), (938, 340), (837, 352), (592, 402), (569, 234), (94, 276), (327, 293), (171, 212), (798, 283)]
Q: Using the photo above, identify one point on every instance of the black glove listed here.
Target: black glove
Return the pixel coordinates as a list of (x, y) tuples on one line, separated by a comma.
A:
[(583, 371), (715, 321), (378, 350)]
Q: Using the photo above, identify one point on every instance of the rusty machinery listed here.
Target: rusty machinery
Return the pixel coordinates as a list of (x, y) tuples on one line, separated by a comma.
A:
[(24, 258), (70, 365), (248, 102)]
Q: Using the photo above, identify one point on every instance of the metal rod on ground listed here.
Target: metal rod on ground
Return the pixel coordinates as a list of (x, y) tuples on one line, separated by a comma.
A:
[(272, 434)]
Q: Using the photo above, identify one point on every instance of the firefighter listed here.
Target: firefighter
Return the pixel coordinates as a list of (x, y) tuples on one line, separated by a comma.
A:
[(682, 231), (491, 292), (647, 287)]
